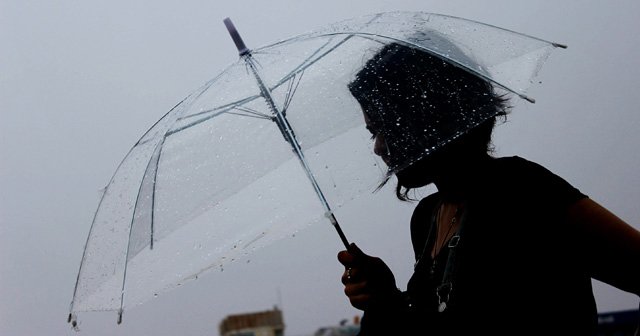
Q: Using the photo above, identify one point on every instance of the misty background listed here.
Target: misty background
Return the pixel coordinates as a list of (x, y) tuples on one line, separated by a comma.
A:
[(81, 81)]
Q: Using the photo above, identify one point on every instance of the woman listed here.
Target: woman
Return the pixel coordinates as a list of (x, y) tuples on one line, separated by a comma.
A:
[(504, 246)]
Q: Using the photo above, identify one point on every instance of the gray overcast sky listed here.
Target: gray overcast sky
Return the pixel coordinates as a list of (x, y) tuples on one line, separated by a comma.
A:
[(80, 81)]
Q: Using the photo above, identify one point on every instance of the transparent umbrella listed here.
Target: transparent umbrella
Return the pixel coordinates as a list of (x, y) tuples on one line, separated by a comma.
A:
[(272, 144)]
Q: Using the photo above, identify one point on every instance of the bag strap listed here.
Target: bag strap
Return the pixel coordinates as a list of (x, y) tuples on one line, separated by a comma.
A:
[(446, 286)]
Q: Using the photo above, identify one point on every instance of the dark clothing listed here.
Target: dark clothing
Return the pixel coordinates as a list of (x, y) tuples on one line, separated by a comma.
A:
[(519, 268)]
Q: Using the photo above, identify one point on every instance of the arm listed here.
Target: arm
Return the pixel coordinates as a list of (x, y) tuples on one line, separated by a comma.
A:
[(611, 245)]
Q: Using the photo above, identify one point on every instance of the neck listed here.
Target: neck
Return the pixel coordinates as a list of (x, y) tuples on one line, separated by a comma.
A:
[(460, 179)]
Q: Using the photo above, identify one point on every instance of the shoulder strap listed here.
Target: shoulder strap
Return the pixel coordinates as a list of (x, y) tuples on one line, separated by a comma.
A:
[(446, 286)]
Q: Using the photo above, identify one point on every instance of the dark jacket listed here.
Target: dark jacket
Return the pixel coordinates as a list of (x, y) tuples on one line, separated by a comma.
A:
[(519, 268)]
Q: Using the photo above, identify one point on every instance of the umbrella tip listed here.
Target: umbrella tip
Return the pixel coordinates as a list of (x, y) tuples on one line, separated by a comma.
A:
[(73, 320), (235, 36)]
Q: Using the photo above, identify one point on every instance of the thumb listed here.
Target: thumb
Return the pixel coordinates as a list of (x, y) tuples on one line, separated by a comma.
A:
[(356, 251)]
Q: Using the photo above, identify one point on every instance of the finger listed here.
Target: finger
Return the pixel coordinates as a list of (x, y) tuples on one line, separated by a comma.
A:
[(356, 289), (354, 249), (350, 275), (357, 253), (346, 258), (347, 276), (360, 301)]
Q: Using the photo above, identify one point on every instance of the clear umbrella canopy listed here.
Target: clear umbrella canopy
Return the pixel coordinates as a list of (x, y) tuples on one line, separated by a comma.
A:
[(214, 179)]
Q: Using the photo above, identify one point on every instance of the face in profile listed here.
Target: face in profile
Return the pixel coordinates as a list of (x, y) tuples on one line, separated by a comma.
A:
[(418, 174), (428, 168)]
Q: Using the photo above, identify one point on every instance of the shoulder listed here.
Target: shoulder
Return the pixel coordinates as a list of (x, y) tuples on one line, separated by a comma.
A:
[(520, 175), (517, 164), (424, 208), (516, 167)]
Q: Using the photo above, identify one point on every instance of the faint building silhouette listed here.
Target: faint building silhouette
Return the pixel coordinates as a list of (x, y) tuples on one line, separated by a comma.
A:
[(344, 329), (265, 323)]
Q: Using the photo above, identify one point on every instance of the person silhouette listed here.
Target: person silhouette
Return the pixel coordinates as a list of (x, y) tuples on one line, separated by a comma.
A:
[(504, 246)]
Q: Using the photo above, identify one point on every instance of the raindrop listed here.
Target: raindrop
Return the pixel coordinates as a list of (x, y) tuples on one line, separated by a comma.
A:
[(155, 295)]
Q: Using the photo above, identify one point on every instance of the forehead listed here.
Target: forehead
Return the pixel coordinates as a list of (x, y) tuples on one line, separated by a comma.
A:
[(372, 120)]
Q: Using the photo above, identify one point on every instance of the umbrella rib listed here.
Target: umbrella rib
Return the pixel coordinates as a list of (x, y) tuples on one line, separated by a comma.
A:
[(248, 113), (453, 61), (140, 142), (299, 69), (251, 113), (222, 107), (292, 89), (288, 96), (236, 105), (200, 91), (159, 147), (312, 59), (306, 63)]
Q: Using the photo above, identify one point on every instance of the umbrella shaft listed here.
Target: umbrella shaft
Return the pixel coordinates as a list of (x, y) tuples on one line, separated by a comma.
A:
[(287, 132)]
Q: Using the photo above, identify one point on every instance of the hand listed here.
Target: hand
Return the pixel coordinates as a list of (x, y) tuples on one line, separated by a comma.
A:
[(368, 281)]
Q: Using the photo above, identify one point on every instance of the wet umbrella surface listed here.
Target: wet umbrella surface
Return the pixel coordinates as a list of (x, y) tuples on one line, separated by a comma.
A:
[(272, 144)]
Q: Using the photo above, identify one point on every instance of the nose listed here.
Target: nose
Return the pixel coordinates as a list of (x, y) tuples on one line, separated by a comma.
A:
[(380, 146)]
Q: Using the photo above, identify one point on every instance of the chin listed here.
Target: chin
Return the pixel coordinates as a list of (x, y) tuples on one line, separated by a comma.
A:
[(414, 177)]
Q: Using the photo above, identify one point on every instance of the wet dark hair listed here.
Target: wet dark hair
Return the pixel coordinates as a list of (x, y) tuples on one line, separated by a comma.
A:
[(416, 100)]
